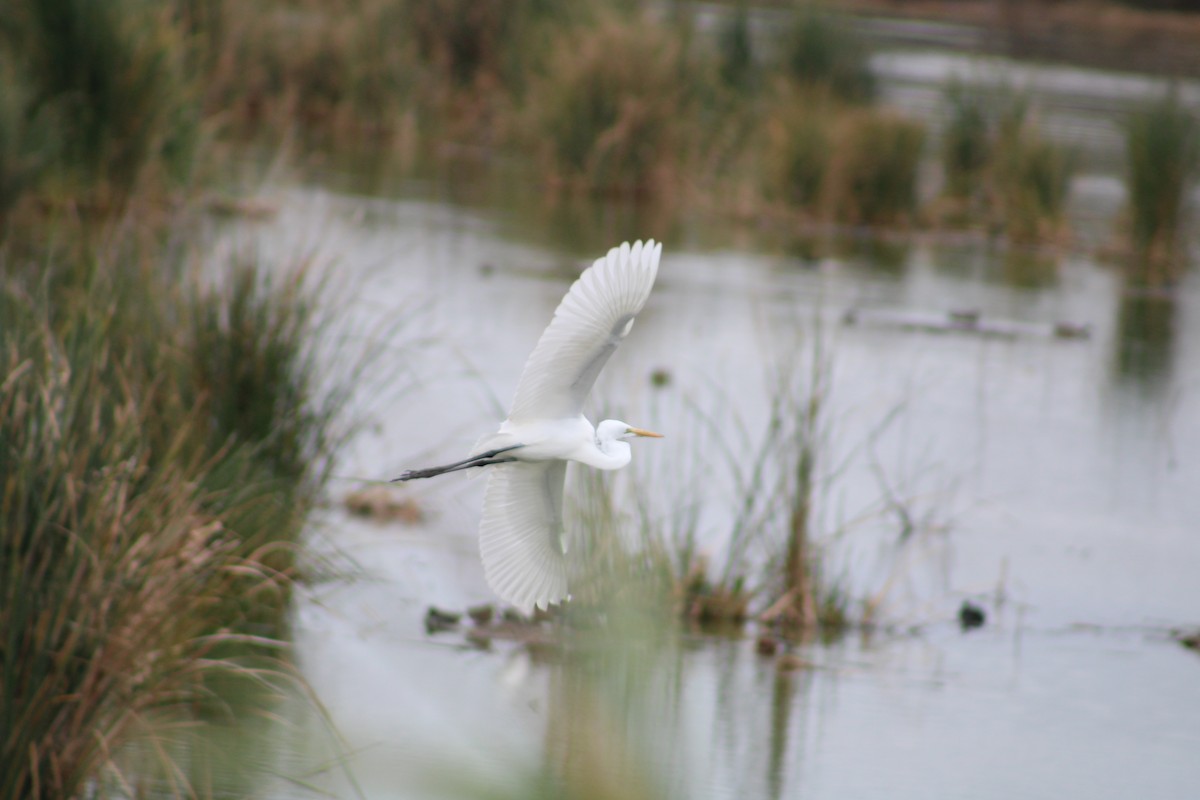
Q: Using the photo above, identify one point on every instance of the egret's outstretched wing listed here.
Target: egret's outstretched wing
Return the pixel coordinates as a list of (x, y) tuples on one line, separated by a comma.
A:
[(521, 537), (589, 323)]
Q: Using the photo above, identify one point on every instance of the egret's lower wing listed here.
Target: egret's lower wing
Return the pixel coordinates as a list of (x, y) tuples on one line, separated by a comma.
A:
[(521, 536)]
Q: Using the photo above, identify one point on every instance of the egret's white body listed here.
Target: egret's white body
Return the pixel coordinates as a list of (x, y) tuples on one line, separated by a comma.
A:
[(521, 536)]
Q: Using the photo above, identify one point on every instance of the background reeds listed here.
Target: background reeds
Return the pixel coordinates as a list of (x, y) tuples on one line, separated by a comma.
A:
[(611, 109), (1162, 152), (999, 169)]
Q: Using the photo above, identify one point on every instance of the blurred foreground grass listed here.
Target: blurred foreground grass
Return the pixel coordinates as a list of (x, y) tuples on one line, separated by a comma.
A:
[(161, 444)]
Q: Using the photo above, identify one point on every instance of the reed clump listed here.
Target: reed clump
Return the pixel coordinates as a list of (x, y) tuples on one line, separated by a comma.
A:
[(112, 76), (967, 141), (737, 65), (821, 49), (159, 449), (1034, 179), (999, 169), (799, 148), (1162, 154), (345, 68), (874, 172), (839, 163), (611, 109)]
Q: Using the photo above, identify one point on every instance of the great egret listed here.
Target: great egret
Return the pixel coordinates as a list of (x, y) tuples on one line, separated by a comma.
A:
[(521, 536)]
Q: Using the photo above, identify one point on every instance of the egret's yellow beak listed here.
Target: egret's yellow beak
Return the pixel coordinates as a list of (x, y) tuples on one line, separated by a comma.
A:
[(640, 432)]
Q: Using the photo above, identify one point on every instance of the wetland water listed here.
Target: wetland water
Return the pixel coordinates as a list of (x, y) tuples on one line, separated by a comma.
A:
[(1056, 482)]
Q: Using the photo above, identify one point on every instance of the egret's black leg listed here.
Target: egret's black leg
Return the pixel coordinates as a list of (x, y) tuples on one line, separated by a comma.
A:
[(481, 460)]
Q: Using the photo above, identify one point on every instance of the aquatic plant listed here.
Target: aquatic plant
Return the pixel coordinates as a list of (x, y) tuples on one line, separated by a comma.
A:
[(820, 48), (493, 42), (333, 68), (610, 110), (1162, 154), (798, 151), (1032, 179), (1000, 168), (874, 175), (112, 72), (735, 48), (966, 140)]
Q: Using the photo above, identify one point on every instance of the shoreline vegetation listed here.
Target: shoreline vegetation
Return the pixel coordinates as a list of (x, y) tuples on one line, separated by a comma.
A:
[(162, 439), (767, 124)]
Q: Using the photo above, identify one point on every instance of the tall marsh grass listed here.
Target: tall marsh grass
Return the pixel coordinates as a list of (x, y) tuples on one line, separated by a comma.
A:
[(799, 148), (339, 68), (966, 140), (840, 163), (999, 168), (820, 48), (610, 110), (28, 139), (737, 64), (1162, 154), (159, 448), (112, 73), (875, 171), (1034, 179)]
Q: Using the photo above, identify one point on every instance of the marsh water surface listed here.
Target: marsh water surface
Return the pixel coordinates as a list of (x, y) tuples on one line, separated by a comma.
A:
[(1054, 482)]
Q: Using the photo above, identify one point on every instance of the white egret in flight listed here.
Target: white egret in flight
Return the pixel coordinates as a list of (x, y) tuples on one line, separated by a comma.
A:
[(521, 536)]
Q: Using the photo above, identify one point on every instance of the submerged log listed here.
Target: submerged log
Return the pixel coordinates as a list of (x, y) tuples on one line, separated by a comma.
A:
[(969, 321)]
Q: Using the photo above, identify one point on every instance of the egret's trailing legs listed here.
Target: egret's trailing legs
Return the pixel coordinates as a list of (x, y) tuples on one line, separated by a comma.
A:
[(481, 460)]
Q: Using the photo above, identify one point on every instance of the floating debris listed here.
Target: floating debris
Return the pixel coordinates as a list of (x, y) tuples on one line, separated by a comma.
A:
[(383, 504), (766, 645), (971, 616), (251, 208), (964, 321), (437, 620)]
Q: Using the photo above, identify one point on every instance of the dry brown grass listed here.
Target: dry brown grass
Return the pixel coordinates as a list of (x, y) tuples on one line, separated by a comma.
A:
[(151, 494), (610, 112)]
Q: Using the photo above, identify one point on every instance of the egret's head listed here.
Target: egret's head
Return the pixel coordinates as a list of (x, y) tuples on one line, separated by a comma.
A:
[(613, 429)]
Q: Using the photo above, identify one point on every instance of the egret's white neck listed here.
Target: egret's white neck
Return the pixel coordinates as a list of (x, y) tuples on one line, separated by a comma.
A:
[(607, 450)]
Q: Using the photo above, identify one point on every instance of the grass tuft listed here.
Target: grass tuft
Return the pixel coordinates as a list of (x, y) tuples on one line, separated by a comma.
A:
[(610, 111), (875, 173), (158, 450), (798, 151), (966, 140), (737, 66), (1162, 155), (112, 73), (1033, 179), (821, 48), (998, 167)]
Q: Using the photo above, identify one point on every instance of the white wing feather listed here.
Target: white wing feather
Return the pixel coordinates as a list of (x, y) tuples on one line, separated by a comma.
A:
[(521, 535), (592, 319)]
